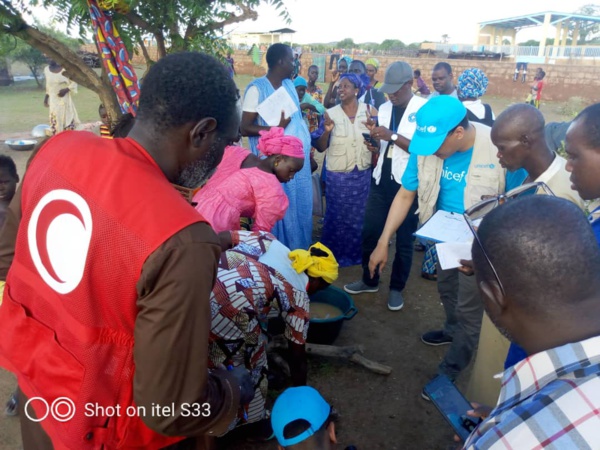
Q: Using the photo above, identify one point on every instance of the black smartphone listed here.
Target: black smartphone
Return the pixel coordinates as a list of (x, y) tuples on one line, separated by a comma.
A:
[(370, 140), (452, 405)]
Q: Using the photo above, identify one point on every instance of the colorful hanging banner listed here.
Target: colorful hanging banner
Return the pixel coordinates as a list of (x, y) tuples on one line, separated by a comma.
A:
[(115, 59)]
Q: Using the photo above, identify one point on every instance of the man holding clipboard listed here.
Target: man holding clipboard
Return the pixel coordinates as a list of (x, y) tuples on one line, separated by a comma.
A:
[(452, 164)]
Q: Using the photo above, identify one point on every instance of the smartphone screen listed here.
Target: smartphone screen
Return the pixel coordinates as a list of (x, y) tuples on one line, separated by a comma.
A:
[(452, 404)]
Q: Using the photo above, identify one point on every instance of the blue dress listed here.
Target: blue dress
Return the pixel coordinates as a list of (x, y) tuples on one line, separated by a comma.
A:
[(295, 229)]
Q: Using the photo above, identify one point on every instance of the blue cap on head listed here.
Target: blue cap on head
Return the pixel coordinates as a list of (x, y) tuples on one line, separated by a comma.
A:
[(434, 120), (300, 81), (297, 403)]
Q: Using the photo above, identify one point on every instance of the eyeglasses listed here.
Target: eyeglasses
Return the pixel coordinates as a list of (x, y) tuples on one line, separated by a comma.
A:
[(475, 214)]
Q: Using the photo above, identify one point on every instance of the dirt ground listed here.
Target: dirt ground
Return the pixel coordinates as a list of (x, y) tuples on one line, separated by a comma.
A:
[(375, 411)]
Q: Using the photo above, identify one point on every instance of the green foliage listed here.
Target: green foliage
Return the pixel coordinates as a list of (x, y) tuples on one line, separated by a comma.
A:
[(347, 43), (70, 42), (32, 58), (589, 33), (534, 43), (176, 24), (7, 45), (391, 45), (529, 43), (572, 107)]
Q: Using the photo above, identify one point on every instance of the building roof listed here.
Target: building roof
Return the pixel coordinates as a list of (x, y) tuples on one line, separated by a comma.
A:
[(537, 19), (266, 33), (283, 30)]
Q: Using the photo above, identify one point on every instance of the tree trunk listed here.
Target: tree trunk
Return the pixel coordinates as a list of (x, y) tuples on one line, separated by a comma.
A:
[(36, 76), (144, 50)]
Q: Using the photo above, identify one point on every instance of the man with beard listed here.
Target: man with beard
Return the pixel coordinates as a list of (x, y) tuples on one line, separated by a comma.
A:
[(106, 312), (295, 229), (552, 399)]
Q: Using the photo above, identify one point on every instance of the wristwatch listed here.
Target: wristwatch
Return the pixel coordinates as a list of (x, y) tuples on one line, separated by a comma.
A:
[(394, 138)]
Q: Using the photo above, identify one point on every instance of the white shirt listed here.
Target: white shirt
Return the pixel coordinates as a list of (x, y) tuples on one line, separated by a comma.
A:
[(435, 93), (477, 108), (250, 99), (277, 257)]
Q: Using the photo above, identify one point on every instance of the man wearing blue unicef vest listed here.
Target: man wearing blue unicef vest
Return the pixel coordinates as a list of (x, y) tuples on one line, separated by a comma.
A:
[(452, 165), (398, 120)]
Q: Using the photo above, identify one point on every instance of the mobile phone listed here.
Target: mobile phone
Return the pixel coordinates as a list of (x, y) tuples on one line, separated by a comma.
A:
[(452, 405), (370, 140)]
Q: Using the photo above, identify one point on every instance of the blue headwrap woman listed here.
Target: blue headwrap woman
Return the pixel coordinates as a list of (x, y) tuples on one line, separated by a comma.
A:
[(348, 169), (472, 84), (331, 98)]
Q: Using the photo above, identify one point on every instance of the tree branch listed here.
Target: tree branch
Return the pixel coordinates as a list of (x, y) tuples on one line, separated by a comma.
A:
[(247, 14)]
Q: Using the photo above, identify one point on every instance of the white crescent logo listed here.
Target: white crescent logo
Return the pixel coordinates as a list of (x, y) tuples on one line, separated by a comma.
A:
[(59, 235)]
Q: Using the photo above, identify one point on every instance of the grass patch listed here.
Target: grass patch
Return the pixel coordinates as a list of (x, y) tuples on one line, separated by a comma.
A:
[(22, 106)]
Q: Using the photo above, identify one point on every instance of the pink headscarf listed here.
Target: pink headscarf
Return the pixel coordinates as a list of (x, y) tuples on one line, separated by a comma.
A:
[(274, 142)]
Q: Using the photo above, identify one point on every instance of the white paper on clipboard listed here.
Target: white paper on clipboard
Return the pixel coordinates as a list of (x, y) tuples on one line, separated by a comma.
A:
[(270, 109), (446, 226)]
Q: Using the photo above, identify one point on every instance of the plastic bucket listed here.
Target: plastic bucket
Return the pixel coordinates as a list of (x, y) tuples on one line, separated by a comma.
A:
[(326, 331)]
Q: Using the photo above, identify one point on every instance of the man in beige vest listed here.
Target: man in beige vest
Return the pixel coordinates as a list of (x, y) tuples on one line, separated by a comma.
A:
[(452, 164)]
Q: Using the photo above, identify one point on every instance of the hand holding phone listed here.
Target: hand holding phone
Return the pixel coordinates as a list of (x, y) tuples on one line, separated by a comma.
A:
[(452, 405), (373, 142)]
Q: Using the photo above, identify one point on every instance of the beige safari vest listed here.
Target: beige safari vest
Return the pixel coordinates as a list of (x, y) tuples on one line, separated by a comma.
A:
[(347, 147), (485, 175)]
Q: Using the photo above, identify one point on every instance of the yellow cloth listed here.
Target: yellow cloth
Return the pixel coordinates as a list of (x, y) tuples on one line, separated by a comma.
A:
[(325, 267), (2, 283)]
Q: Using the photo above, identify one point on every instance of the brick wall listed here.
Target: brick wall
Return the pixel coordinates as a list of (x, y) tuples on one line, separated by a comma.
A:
[(562, 81)]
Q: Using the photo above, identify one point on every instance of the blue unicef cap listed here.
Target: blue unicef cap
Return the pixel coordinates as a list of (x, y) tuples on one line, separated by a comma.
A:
[(297, 403), (434, 120)]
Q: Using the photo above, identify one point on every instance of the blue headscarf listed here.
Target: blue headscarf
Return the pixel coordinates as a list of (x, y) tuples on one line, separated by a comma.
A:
[(356, 81), (472, 83), (300, 81), (345, 58)]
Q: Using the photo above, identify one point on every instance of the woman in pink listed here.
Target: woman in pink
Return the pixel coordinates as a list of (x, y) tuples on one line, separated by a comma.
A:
[(245, 185)]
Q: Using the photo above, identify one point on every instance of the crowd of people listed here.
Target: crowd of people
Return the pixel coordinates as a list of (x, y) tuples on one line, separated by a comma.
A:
[(120, 303)]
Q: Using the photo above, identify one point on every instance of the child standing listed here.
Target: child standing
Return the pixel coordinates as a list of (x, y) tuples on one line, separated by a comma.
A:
[(8, 185), (536, 89), (105, 126)]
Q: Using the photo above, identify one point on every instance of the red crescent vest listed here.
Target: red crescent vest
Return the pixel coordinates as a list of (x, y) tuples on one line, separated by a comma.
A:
[(69, 309)]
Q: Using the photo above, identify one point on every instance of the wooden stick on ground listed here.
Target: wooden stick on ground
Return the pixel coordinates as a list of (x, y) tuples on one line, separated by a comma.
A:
[(352, 353)]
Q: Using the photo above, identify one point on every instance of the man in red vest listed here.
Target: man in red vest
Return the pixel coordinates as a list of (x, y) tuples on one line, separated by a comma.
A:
[(106, 314)]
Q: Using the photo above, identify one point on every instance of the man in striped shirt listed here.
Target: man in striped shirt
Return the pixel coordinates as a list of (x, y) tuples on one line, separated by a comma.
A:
[(544, 295)]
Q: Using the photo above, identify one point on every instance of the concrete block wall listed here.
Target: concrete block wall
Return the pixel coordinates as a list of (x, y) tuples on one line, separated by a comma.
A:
[(562, 81)]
